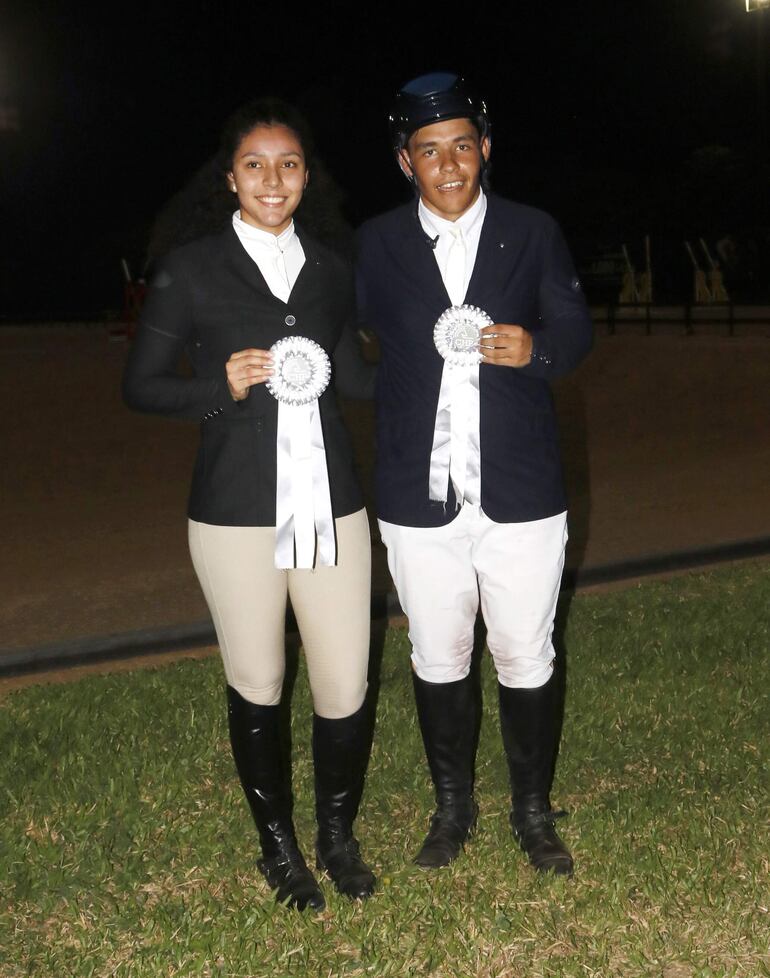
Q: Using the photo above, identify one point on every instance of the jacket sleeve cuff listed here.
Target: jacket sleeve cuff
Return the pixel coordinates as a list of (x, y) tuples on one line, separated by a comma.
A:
[(541, 360), (223, 401)]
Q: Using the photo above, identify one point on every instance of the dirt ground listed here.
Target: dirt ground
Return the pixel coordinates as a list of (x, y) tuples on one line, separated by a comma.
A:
[(666, 442)]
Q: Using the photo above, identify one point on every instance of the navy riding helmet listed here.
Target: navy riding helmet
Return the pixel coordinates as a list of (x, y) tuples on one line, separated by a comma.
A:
[(435, 98)]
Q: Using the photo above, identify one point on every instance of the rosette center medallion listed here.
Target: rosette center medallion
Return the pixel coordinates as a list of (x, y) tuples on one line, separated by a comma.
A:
[(457, 334), (296, 371), (301, 370)]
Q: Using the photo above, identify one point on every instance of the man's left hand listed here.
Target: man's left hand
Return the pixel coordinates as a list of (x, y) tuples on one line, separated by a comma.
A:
[(506, 345)]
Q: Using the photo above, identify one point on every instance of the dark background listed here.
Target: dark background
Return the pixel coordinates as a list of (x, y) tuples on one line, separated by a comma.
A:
[(621, 118)]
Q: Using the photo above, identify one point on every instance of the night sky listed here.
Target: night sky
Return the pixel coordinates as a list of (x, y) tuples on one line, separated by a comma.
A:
[(618, 117)]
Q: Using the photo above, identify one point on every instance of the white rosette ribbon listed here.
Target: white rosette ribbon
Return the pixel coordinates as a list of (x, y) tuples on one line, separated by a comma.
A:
[(456, 335), (304, 525)]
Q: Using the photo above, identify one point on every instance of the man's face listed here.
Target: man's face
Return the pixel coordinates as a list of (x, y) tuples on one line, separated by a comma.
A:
[(445, 159)]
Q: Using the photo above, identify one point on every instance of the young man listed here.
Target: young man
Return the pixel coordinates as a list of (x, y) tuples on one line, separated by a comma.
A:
[(470, 495)]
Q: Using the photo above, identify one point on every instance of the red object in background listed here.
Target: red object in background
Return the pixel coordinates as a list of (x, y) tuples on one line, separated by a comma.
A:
[(133, 299), (134, 291)]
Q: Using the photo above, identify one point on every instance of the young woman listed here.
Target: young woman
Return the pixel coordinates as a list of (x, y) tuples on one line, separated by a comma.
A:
[(275, 509)]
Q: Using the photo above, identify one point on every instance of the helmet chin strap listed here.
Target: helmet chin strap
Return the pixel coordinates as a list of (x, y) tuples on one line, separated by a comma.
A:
[(405, 167)]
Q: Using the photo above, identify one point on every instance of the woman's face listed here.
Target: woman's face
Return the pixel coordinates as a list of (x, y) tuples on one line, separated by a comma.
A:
[(269, 176)]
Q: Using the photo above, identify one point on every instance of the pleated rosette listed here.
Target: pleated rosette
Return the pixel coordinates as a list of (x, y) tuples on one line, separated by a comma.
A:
[(455, 453), (304, 525)]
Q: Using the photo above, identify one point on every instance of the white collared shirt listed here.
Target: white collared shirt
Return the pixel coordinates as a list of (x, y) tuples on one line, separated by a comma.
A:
[(278, 256), (470, 224)]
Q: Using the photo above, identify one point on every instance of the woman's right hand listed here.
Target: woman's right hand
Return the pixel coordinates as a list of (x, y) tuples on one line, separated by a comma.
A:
[(246, 368)]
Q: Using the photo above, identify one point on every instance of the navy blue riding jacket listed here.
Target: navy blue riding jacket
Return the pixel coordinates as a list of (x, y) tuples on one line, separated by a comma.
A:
[(523, 274)]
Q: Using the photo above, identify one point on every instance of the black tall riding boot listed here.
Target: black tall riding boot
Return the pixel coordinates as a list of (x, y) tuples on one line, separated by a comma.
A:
[(340, 755), (529, 723), (447, 715), (255, 738)]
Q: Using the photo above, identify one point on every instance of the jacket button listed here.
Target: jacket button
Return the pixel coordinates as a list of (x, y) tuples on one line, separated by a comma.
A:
[(290, 320)]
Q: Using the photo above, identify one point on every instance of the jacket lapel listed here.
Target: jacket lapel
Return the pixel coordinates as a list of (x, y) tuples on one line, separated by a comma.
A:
[(493, 258), (310, 270), (244, 267), (411, 251)]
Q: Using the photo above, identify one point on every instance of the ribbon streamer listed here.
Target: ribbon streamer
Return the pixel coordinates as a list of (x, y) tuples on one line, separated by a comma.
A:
[(457, 426), (303, 510)]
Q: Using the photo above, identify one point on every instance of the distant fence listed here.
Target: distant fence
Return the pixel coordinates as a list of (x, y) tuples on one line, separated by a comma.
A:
[(690, 319)]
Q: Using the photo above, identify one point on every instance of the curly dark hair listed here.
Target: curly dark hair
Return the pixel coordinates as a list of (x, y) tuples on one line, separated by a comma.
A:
[(205, 204), (266, 111)]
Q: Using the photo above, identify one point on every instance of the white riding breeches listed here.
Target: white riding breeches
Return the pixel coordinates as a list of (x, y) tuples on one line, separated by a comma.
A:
[(515, 570)]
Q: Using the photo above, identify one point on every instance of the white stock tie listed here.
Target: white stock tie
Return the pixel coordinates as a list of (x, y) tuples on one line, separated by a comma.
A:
[(454, 278)]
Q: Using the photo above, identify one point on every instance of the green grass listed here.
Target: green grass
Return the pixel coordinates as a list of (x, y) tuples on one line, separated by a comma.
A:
[(126, 849)]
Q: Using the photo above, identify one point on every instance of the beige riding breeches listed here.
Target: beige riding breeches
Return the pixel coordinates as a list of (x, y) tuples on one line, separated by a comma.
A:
[(247, 595)]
